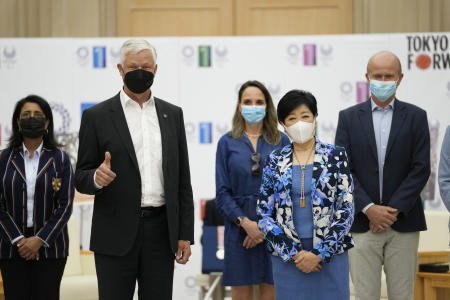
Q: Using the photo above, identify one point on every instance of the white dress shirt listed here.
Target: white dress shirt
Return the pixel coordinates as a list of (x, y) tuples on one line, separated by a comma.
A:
[(31, 168), (143, 125)]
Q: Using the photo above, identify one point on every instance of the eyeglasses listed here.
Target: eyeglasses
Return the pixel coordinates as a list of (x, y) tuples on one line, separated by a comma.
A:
[(256, 168)]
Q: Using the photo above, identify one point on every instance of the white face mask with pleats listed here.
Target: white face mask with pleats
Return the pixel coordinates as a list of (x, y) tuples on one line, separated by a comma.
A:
[(301, 131)]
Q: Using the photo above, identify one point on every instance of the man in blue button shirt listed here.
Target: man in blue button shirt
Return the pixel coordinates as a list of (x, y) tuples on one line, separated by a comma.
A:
[(388, 145)]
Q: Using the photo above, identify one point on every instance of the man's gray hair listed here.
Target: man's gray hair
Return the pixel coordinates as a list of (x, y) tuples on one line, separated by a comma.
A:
[(135, 46)]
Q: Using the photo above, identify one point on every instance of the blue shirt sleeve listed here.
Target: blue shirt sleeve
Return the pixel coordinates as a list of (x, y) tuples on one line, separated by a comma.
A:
[(224, 200)]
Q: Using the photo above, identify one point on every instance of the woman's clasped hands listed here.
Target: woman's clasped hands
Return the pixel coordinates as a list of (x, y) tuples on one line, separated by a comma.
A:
[(307, 262)]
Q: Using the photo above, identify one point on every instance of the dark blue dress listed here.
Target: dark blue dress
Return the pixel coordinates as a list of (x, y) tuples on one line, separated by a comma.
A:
[(237, 191), (332, 282)]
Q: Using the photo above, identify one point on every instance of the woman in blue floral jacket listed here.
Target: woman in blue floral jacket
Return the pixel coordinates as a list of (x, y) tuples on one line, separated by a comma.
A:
[(305, 208)]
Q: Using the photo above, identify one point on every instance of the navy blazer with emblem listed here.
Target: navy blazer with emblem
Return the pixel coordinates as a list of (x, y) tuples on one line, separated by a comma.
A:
[(52, 204)]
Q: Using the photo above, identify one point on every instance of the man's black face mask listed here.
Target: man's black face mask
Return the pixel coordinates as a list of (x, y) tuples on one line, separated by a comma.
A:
[(139, 80)]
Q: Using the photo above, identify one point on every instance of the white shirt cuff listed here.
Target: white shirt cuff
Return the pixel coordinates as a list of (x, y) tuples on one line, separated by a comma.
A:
[(367, 207), (14, 241), (97, 186), (44, 242)]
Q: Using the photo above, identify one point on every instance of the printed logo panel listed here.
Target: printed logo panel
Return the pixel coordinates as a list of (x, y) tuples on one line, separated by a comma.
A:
[(205, 132), (428, 52), (204, 56), (99, 55)]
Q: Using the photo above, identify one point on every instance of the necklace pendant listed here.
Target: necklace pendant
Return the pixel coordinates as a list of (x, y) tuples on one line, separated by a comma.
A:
[(302, 202)]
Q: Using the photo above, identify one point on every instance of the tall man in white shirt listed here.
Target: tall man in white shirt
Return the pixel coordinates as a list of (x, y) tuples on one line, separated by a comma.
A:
[(133, 156)]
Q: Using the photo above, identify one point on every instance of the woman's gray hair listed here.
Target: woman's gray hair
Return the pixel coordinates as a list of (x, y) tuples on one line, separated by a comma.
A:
[(135, 46)]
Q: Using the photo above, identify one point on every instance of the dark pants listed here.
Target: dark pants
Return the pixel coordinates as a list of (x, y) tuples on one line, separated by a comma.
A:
[(150, 261), (32, 279)]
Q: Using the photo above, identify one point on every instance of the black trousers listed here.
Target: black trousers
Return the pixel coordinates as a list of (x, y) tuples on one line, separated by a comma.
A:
[(150, 261), (32, 279)]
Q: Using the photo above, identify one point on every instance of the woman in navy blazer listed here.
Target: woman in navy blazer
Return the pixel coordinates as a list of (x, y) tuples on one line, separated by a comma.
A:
[(305, 208), (36, 196)]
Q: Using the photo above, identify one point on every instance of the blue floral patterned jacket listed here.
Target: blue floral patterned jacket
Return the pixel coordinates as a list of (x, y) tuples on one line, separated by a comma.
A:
[(332, 203)]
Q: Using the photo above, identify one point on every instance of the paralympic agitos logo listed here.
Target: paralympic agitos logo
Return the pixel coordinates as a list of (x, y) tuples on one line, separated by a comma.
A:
[(428, 52)]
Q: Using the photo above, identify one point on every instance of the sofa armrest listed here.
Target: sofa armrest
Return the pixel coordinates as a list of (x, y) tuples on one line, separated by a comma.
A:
[(437, 236), (87, 262)]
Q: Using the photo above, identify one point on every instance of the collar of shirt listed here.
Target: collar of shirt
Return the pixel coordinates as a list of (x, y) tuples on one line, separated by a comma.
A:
[(376, 107), (126, 101), (37, 152)]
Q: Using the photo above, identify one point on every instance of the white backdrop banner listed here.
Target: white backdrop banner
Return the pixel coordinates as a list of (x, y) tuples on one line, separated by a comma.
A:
[(203, 75)]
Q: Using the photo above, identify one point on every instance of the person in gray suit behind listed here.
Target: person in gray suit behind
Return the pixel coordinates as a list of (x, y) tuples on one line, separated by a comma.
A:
[(444, 171)]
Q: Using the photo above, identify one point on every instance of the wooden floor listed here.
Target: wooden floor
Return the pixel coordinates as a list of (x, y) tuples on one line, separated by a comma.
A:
[(2, 292)]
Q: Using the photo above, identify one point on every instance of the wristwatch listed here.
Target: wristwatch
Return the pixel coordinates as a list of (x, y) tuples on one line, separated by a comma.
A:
[(239, 220)]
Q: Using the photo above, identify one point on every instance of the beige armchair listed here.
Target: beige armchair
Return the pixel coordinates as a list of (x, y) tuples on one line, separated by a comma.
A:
[(79, 281)]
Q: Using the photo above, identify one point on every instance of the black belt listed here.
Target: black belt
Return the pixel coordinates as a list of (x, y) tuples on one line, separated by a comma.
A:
[(152, 211)]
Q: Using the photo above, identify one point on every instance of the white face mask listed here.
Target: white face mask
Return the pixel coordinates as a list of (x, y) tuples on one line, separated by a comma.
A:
[(301, 132)]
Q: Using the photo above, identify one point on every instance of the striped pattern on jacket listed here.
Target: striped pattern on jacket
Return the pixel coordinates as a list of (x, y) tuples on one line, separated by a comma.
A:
[(52, 206)]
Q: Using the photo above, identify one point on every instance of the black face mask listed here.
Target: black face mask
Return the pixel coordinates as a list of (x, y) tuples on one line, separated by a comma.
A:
[(32, 127), (138, 81)]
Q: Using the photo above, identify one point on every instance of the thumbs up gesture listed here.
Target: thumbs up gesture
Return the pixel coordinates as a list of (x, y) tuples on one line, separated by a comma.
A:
[(104, 176)]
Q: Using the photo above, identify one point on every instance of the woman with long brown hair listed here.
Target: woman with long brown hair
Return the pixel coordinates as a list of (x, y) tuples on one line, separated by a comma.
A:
[(240, 155)]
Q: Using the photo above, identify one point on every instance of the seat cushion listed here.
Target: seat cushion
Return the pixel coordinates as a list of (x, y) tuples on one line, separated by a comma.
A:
[(82, 287), (73, 264), (436, 237)]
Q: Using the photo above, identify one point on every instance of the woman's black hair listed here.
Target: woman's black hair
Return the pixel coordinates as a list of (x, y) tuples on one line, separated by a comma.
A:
[(294, 99), (16, 139)]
